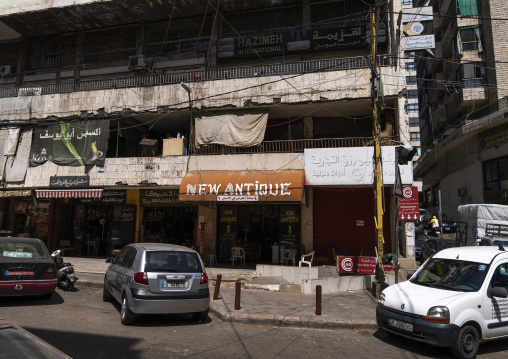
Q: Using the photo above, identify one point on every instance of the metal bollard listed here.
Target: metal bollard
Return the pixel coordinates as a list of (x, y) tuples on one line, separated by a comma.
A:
[(217, 287), (237, 295), (318, 300)]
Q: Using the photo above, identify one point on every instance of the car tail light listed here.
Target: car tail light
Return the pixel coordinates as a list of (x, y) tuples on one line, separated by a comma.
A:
[(141, 278), (204, 278), (51, 272)]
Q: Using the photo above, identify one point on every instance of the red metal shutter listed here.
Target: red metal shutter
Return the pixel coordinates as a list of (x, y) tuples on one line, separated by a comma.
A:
[(338, 216)]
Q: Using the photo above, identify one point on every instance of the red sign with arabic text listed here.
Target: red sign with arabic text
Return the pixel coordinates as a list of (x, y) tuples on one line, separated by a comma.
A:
[(359, 265), (409, 206)]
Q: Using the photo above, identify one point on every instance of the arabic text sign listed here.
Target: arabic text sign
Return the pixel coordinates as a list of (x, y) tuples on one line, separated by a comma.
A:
[(237, 198), (359, 265), (157, 197), (409, 206), (419, 42), (351, 166), (69, 181), (417, 14)]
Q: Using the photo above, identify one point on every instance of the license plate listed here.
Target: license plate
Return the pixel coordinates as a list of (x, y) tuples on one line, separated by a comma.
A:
[(19, 272), (175, 284), (408, 327), (446, 228)]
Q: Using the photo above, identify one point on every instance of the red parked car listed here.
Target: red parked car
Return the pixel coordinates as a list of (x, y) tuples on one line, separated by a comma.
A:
[(26, 268)]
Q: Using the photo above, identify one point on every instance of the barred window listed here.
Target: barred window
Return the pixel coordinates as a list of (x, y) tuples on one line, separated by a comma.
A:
[(414, 122), (262, 21), (411, 80), (51, 51), (412, 107), (178, 36), (339, 13), (108, 45), (412, 94)]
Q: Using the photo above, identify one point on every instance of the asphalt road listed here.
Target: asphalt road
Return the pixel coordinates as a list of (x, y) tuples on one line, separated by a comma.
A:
[(83, 326)]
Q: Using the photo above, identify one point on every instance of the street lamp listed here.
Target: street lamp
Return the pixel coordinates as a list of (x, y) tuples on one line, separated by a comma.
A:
[(189, 92)]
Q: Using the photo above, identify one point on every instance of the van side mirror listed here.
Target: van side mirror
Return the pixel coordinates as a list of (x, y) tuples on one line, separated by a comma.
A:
[(499, 292), (110, 260)]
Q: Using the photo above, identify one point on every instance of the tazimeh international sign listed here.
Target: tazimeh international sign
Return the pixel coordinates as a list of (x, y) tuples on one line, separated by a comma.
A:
[(240, 186), (409, 206), (74, 143), (351, 166)]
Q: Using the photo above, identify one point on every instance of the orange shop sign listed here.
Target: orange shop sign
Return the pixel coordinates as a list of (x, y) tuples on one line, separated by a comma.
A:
[(242, 186)]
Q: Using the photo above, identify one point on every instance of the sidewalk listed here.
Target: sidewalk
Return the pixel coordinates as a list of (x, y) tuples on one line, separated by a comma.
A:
[(346, 310)]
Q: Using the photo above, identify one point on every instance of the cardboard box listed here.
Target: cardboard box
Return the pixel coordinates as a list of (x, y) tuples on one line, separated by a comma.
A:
[(174, 147)]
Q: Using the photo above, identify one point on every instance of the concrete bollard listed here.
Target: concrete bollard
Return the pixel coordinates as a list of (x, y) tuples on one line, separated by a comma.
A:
[(217, 287), (237, 295), (318, 300)]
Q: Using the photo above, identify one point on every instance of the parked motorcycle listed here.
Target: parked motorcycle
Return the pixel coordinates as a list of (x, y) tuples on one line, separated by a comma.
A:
[(66, 277)]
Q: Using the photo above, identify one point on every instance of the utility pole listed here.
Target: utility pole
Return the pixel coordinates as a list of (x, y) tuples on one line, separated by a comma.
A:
[(378, 180)]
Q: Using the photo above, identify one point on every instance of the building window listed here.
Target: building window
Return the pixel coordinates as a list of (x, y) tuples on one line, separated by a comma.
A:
[(495, 174), (411, 66), (414, 122), (414, 136), (109, 45), (412, 94), (411, 80), (412, 107), (468, 8), (262, 21), (407, 2), (469, 39), (183, 36), (472, 74), (418, 150), (53, 51)]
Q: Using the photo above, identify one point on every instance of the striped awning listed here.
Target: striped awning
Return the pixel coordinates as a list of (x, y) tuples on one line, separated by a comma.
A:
[(68, 193)]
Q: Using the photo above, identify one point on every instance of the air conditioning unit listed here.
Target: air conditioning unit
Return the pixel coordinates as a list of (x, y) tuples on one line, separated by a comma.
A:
[(137, 62), (463, 192), (6, 70)]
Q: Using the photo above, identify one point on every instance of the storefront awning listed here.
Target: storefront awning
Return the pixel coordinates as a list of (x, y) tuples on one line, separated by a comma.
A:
[(68, 193), (243, 186)]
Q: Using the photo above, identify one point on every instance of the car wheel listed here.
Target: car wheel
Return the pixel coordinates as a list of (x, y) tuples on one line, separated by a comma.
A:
[(200, 317), (105, 293), (46, 296), (467, 343), (126, 315)]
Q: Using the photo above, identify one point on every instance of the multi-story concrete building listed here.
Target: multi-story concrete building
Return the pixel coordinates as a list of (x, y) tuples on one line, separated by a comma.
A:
[(221, 123), (463, 106)]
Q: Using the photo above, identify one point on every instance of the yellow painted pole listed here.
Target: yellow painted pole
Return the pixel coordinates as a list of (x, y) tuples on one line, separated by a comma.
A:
[(378, 181)]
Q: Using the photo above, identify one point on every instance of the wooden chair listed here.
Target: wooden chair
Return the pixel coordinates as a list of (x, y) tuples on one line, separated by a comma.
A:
[(289, 255), (237, 253)]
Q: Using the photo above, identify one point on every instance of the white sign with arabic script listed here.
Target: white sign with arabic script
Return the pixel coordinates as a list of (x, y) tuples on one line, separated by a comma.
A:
[(352, 166), (419, 42), (237, 198)]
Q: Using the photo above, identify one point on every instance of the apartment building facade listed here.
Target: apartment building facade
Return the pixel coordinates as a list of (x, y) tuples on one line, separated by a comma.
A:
[(216, 123), (463, 106)]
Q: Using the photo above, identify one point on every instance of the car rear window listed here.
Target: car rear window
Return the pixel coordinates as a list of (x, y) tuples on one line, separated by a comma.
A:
[(173, 261), (22, 250)]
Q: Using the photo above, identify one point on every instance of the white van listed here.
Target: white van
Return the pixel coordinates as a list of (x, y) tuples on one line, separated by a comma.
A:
[(456, 299)]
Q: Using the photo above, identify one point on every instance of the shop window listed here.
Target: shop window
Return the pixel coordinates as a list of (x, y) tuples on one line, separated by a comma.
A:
[(472, 74), (179, 36), (414, 136), (109, 45), (412, 107), (495, 174), (52, 51), (414, 122)]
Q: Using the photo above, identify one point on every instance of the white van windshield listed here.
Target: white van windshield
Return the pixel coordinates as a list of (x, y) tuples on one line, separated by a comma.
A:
[(452, 274)]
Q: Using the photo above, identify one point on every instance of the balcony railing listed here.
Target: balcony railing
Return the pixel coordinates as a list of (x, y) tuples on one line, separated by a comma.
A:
[(294, 146), (358, 62)]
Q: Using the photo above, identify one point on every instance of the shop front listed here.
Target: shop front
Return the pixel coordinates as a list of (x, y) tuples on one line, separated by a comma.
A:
[(257, 211), (165, 219)]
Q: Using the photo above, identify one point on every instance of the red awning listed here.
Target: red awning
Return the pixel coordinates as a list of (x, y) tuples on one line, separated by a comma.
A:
[(68, 193)]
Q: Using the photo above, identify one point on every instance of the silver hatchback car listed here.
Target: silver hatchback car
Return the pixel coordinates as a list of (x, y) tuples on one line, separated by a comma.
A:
[(157, 278)]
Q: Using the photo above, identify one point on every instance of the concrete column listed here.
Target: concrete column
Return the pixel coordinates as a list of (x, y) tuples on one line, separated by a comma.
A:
[(307, 224)]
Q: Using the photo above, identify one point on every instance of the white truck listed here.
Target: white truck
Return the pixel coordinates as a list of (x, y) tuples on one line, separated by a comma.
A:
[(472, 221)]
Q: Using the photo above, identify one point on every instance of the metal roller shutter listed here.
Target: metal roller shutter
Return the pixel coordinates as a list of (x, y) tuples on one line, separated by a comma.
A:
[(336, 212)]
